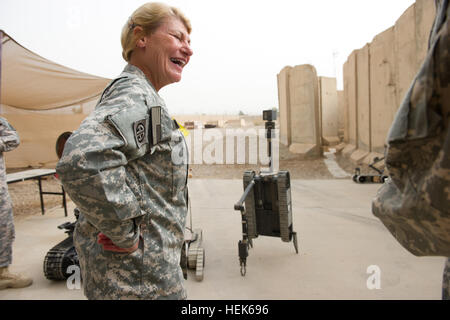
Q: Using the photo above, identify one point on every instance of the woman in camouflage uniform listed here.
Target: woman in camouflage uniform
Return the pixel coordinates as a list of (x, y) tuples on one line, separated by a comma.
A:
[(125, 168)]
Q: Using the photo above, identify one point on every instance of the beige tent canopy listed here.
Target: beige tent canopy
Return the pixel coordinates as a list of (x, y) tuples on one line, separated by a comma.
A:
[(31, 82), (42, 100)]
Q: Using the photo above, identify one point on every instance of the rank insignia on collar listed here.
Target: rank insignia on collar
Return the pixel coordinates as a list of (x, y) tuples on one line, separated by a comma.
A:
[(140, 129)]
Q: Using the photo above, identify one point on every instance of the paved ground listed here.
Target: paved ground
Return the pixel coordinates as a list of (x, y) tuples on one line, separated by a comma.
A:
[(339, 240)]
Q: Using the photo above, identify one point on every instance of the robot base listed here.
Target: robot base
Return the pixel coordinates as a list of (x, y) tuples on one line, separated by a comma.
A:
[(267, 211), (193, 254)]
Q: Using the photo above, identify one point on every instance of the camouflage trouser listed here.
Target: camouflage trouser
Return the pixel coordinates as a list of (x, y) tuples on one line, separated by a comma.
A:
[(7, 232), (446, 281)]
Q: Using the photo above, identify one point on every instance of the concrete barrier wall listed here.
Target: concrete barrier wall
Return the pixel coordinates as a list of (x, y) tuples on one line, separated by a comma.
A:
[(303, 96), (283, 106), (309, 110), (363, 138), (405, 52), (328, 101), (424, 16), (341, 114), (382, 87), (377, 77), (299, 109), (350, 90)]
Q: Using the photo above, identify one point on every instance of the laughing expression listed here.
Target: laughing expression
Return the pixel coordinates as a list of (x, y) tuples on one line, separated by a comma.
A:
[(167, 52)]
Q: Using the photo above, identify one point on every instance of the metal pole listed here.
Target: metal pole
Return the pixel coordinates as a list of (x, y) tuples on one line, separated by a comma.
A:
[(64, 200), (41, 196), (1, 41), (239, 204), (270, 126)]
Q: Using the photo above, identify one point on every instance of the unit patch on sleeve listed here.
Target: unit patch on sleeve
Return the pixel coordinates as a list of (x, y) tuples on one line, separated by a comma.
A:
[(140, 129)]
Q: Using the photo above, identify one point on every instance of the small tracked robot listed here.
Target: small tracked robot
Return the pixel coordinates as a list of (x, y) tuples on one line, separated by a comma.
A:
[(60, 257), (370, 178), (63, 255), (193, 253), (267, 198)]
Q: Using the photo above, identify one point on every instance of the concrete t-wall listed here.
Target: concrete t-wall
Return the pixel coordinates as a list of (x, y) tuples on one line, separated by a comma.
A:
[(350, 90), (284, 103), (341, 114), (328, 98), (424, 17), (304, 111), (405, 52), (363, 99), (377, 77), (298, 97), (382, 87)]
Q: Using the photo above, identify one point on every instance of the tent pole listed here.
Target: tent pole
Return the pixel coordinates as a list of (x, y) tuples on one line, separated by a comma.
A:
[(1, 41)]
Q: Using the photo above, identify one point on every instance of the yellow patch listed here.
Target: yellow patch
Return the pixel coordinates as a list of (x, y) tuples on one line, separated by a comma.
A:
[(183, 130)]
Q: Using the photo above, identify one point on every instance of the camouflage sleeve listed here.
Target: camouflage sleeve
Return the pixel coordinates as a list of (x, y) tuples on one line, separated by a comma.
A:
[(9, 139), (93, 170), (414, 203)]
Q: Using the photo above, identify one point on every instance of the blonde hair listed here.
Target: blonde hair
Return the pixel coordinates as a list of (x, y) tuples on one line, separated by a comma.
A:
[(148, 16)]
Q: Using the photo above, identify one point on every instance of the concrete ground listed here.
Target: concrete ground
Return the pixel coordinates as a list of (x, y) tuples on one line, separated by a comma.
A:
[(340, 245)]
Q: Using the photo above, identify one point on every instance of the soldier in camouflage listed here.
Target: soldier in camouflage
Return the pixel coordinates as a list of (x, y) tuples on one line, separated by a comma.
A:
[(9, 140), (125, 168), (414, 204)]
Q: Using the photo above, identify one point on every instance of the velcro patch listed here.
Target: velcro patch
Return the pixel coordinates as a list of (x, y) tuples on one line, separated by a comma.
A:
[(155, 114)]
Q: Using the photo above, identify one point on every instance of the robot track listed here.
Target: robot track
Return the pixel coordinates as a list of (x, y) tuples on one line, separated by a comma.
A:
[(59, 258)]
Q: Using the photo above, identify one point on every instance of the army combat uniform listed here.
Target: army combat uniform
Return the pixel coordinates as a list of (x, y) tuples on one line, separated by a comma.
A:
[(414, 204), (9, 140), (125, 168)]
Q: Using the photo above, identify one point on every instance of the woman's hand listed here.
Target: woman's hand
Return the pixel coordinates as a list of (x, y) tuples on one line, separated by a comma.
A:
[(110, 246)]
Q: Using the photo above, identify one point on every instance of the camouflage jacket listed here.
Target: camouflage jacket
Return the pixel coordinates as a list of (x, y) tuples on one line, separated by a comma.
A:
[(129, 189), (414, 204), (9, 140)]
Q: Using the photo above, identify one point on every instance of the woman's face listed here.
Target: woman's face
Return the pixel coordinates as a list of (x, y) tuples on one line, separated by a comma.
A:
[(167, 52)]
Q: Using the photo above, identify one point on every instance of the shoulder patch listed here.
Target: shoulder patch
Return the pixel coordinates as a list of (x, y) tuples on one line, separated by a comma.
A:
[(140, 129), (132, 126)]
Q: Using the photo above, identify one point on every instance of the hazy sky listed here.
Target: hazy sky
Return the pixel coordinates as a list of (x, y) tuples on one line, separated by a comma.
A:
[(239, 45)]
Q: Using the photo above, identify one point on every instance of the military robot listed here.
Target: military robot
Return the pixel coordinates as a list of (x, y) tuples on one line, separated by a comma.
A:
[(266, 205)]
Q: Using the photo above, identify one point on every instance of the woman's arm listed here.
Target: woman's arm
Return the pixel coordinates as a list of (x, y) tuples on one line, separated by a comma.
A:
[(95, 170), (9, 139)]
